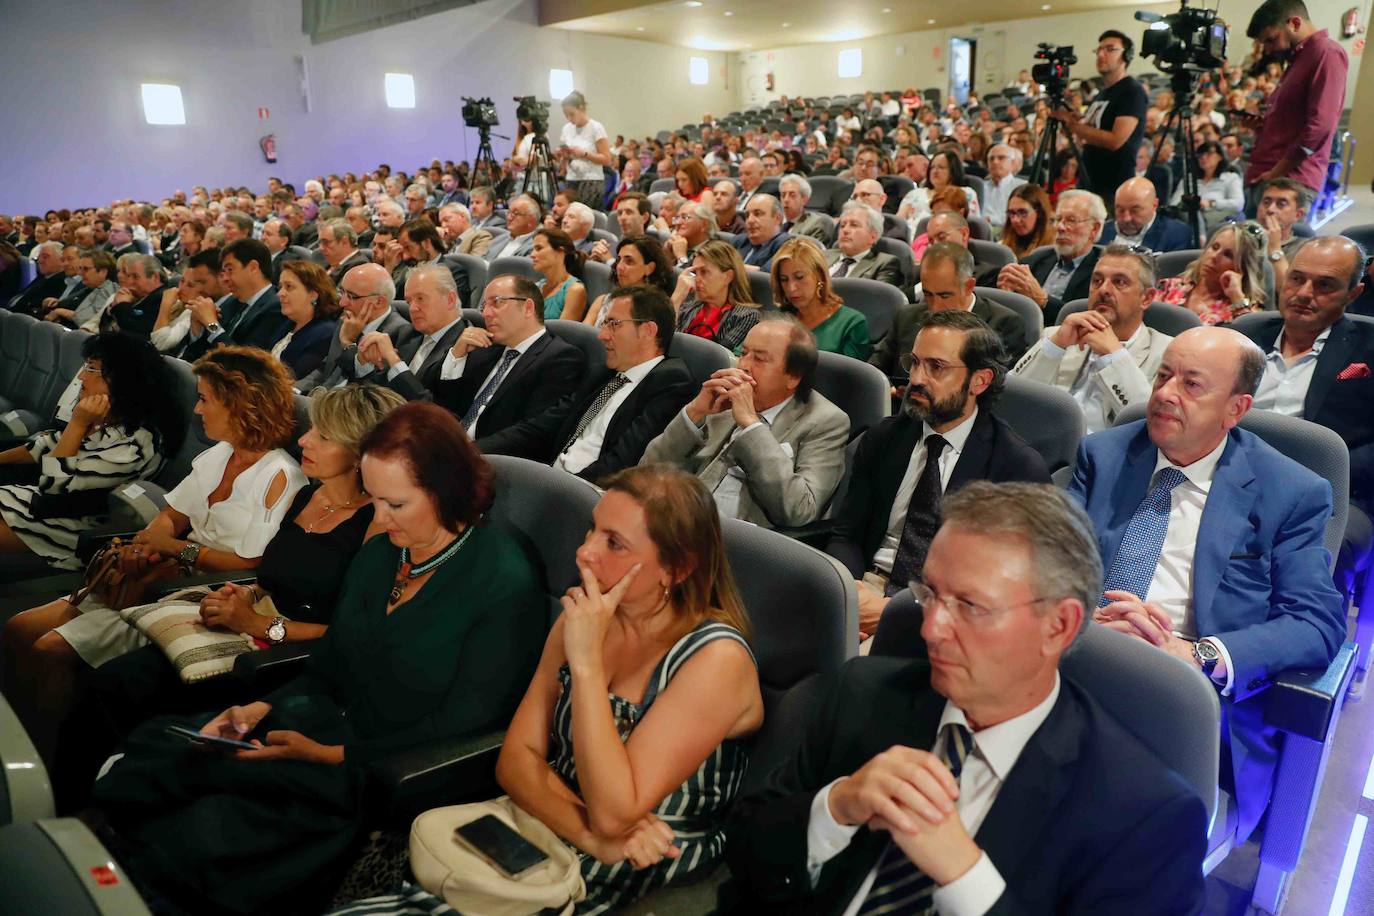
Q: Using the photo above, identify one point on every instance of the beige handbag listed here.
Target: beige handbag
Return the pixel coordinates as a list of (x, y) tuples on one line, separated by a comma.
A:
[(471, 885)]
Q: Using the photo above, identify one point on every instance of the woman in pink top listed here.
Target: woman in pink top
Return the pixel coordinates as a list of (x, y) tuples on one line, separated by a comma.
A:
[(1227, 280)]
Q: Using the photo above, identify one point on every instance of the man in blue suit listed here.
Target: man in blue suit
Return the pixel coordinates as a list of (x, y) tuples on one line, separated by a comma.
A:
[(1139, 222), (1213, 544)]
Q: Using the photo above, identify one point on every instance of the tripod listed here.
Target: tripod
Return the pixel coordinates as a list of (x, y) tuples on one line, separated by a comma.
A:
[(485, 156), (1180, 122), (541, 179), (1042, 165)]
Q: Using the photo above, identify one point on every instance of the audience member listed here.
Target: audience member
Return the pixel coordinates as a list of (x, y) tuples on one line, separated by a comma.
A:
[(96, 270), (471, 612), (948, 222), (412, 366), (253, 317), (49, 283), (482, 204), (1104, 356), (1226, 280), (310, 302), (638, 259), (883, 530), (1063, 273), (1283, 203), (277, 237), (365, 298), (578, 222), (768, 447), (1030, 220), (1139, 222), (422, 246), (1187, 471), (691, 182), (793, 193), (339, 245), (522, 218), (176, 316), (460, 235), (135, 305), (860, 227), (980, 772), (801, 286), (556, 259), (946, 170), (750, 177), (695, 226), (1221, 196), (716, 302), (1004, 162), (729, 217)]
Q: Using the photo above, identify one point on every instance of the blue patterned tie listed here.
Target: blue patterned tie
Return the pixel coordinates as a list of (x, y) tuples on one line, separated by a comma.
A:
[(900, 887), (489, 389), (1138, 554)]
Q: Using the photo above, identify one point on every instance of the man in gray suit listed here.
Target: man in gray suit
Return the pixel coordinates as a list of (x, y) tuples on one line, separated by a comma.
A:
[(854, 255), (793, 192), (339, 245), (412, 367), (523, 217), (768, 447), (1104, 356), (365, 297)]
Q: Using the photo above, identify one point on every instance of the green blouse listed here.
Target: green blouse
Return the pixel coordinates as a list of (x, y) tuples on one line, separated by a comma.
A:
[(845, 333), (455, 658)]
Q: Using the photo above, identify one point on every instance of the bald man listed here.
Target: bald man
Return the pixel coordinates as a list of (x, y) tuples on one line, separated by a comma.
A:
[(870, 191), (1139, 222), (1234, 579)]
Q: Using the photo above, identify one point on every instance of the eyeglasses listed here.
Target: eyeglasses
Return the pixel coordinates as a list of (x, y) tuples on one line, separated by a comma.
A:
[(933, 368), (966, 611), (349, 294), (1019, 212), (1071, 220), (613, 324), (492, 303)]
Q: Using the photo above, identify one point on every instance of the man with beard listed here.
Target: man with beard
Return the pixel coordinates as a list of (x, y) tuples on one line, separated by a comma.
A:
[(944, 437), (1139, 222)]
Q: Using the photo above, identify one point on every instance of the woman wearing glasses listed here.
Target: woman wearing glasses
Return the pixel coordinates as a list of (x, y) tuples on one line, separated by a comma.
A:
[(1222, 197), (1030, 223), (1227, 281)]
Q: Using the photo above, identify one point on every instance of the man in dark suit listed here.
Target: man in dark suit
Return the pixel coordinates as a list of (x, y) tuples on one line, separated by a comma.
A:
[(277, 237), (892, 508), (498, 377), (482, 206), (763, 234), (1213, 543), (339, 245), (1139, 222), (1063, 273), (365, 297), (607, 423), (947, 283), (859, 228), (412, 368), (1319, 364), (121, 240), (253, 317), (304, 234), (985, 777), (49, 283), (134, 308)]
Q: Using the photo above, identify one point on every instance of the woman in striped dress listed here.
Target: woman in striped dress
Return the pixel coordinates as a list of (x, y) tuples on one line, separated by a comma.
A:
[(122, 428)]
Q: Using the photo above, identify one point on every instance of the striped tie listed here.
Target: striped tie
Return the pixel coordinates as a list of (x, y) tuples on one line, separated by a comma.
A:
[(900, 887), (1136, 558)]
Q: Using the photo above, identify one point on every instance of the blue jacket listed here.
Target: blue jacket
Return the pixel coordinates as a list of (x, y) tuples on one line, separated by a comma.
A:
[(1165, 235), (1261, 575)]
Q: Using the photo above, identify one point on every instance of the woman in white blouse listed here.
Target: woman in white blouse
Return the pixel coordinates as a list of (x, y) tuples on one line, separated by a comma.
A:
[(584, 146), (219, 518), (1220, 190), (945, 169)]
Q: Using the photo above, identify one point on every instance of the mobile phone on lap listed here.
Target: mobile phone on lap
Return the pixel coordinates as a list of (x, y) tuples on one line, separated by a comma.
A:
[(209, 741), (500, 845)]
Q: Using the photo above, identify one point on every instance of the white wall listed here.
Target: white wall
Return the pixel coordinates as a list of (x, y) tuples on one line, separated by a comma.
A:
[(1004, 48)]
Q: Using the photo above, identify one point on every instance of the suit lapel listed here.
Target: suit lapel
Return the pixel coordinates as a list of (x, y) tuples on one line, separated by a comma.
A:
[(1336, 355), (525, 364), (976, 455), (1225, 521)]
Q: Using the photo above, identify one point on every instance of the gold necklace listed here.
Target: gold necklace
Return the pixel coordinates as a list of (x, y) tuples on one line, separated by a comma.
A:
[(328, 511)]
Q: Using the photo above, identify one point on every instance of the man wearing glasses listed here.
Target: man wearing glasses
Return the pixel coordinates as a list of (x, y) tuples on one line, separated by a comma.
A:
[(973, 776), (1113, 125), (1064, 272), (943, 438), (694, 226), (498, 378), (365, 299)]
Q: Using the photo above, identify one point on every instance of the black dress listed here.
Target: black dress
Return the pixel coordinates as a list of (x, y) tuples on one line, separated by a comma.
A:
[(303, 572)]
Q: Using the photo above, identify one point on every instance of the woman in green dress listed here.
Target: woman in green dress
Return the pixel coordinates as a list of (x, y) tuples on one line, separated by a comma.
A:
[(437, 630), (801, 285)]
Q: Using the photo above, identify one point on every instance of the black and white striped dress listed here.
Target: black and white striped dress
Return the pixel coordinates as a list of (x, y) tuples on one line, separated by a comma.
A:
[(108, 457)]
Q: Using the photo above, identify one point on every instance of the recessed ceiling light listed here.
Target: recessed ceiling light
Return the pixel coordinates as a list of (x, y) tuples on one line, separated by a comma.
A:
[(930, 22), (887, 9), (786, 25), (1044, 6), (728, 13), (693, 3), (639, 28)]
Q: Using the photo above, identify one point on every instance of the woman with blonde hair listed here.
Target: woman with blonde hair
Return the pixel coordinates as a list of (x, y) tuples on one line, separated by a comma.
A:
[(715, 300), (1227, 280), (801, 285)]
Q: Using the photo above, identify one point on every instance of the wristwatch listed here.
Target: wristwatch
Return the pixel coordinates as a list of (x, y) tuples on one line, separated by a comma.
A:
[(1206, 655), (276, 631), (1276, 256), (187, 556), (213, 329)]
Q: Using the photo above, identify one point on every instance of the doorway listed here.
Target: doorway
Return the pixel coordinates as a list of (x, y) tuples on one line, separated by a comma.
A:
[(963, 60)]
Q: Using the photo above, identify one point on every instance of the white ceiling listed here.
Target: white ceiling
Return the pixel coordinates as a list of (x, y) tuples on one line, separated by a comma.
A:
[(739, 25)]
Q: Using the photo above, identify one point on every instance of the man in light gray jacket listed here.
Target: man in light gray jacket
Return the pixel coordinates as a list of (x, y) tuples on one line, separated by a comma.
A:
[(768, 447), (1104, 356)]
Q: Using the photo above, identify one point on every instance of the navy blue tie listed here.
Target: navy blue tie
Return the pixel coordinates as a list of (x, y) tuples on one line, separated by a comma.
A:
[(1138, 554)]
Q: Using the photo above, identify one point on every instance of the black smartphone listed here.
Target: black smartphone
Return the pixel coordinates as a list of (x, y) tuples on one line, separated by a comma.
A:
[(210, 741), (494, 840)]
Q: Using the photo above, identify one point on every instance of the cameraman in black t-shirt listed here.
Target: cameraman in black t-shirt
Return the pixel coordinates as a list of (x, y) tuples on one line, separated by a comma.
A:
[(1111, 129)]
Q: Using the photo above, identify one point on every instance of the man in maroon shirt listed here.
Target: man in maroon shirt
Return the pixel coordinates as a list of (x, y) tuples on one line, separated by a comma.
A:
[(1293, 139)]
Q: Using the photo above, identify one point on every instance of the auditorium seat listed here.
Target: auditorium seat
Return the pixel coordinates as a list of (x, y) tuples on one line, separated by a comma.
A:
[(1163, 317), (860, 390), (1363, 234), (829, 193), (978, 228), (1048, 418), (598, 278), (25, 791), (601, 234), (760, 287), (902, 252), (477, 276), (1031, 314), (877, 301), (582, 336), (663, 185), (514, 265), (58, 866), (702, 356), (990, 254), (1172, 263), (896, 187)]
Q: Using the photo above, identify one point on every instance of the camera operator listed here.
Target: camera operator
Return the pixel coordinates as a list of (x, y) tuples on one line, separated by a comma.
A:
[(1293, 139), (586, 149), (1112, 127)]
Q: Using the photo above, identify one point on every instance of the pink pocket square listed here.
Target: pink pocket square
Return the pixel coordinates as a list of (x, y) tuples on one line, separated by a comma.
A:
[(1354, 370)]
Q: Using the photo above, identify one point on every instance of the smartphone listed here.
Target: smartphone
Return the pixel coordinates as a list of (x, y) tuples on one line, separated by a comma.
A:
[(222, 744), (500, 845)]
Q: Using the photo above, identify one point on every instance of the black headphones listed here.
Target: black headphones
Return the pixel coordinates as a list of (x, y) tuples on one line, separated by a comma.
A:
[(1127, 51)]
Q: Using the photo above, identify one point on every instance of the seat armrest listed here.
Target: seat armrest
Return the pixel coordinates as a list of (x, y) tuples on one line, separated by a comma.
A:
[(444, 772), (813, 534), (1306, 701), (274, 661), (212, 579), (92, 539)]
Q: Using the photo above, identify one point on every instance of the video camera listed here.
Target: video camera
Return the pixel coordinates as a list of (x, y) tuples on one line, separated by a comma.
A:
[(527, 108), (480, 113), (1191, 40), (1054, 73)]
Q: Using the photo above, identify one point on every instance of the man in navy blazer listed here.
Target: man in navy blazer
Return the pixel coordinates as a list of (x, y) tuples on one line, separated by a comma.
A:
[(1139, 222), (1056, 809), (763, 234), (1236, 580), (253, 317)]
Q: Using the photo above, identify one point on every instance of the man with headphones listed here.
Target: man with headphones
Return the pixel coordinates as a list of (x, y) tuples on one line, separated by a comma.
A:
[(1113, 125)]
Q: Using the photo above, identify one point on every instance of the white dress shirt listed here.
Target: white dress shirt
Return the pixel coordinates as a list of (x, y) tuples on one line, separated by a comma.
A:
[(360, 368), (1124, 239), (731, 487), (995, 752), (237, 318), (509, 250), (1283, 389), (422, 352), (455, 366), (886, 553), (1172, 586), (587, 448), (996, 196), (1084, 390), (834, 268)]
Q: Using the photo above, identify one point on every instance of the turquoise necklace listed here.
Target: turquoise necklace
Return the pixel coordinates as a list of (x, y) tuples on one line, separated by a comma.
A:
[(405, 572)]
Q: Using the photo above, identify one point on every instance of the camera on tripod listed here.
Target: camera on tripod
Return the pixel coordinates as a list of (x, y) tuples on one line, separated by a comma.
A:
[(528, 108), (480, 113), (1191, 40), (1053, 74)]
